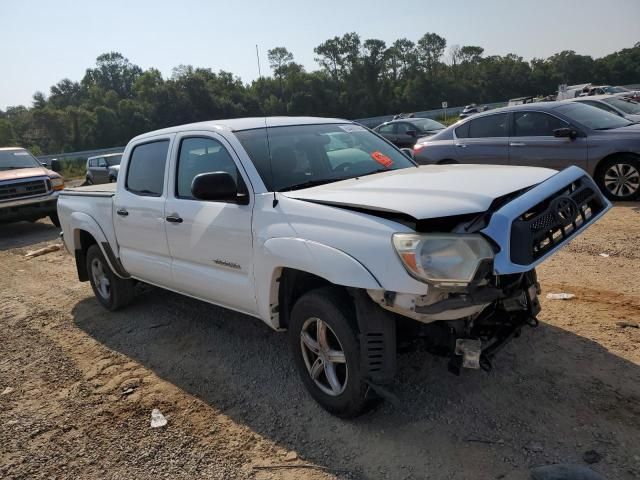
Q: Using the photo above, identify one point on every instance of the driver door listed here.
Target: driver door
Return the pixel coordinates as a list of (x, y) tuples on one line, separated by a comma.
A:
[(406, 134), (532, 142), (210, 242)]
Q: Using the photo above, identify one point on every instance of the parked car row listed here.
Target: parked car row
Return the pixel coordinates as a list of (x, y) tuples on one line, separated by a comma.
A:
[(549, 134), (617, 104)]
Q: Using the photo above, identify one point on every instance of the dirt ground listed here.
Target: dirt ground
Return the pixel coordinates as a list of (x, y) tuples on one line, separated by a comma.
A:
[(78, 383)]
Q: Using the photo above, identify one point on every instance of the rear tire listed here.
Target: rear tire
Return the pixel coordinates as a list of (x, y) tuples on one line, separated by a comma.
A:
[(619, 178), (111, 291), (329, 362)]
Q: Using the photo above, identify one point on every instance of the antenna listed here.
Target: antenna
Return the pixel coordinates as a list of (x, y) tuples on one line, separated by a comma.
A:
[(258, 57), (266, 132), (273, 185)]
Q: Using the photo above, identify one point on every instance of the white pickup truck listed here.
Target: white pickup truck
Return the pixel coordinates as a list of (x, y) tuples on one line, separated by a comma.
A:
[(323, 228)]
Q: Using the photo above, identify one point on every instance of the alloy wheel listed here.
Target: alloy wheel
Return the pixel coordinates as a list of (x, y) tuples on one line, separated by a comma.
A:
[(622, 179), (324, 356), (100, 279)]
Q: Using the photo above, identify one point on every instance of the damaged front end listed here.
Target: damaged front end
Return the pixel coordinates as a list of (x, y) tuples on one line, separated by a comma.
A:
[(470, 325), (481, 280)]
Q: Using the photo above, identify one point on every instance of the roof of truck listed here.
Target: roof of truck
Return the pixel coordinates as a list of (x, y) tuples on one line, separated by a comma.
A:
[(235, 124)]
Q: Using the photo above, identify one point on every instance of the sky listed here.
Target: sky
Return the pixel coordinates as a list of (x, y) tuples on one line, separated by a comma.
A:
[(42, 42)]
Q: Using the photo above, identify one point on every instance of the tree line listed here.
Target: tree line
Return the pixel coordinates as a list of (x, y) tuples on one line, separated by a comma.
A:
[(116, 99)]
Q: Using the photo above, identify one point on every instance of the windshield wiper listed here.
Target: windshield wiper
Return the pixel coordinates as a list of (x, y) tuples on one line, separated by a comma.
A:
[(310, 183)]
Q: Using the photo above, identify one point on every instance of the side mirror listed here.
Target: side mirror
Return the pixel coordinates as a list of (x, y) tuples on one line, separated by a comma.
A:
[(44, 164), (411, 133), (408, 152), (55, 165), (565, 133), (214, 186)]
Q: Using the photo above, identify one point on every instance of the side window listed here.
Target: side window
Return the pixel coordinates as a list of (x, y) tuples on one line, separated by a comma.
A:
[(388, 129), (489, 126), (463, 130), (201, 155), (403, 128), (102, 162), (145, 172), (92, 162), (535, 124)]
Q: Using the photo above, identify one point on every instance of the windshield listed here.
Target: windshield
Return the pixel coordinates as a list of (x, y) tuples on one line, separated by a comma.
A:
[(592, 117), (426, 124), (14, 159), (307, 155), (115, 160), (624, 104)]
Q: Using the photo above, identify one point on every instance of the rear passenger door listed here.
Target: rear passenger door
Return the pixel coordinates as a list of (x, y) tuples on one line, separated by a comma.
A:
[(138, 214), (532, 142), (210, 242), (483, 140)]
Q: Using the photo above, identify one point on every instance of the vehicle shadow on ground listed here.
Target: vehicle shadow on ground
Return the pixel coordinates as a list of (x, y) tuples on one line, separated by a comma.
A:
[(551, 396), (24, 234)]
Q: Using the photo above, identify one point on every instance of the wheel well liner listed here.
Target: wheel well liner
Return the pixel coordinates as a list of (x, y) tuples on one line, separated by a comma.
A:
[(293, 284)]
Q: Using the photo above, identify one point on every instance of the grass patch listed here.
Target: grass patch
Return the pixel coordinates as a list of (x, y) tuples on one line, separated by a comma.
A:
[(72, 168)]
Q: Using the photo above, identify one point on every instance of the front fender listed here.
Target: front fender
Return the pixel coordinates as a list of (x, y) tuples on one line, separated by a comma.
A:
[(316, 258)]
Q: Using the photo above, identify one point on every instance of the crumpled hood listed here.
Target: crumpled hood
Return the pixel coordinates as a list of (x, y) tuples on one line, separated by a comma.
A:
[(23, 173), (429, 191)]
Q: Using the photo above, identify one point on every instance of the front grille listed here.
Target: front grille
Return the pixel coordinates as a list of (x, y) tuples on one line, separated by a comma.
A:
[(554, 221), (23, 189)]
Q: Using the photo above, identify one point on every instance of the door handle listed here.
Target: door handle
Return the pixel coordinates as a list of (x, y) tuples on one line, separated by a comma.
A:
[(461, 145), (122, 212), (175, 218), (517, 144)]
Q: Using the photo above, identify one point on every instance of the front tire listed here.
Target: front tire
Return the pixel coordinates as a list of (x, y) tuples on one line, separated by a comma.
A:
[(324, 342), (111, 291), (619, 178)]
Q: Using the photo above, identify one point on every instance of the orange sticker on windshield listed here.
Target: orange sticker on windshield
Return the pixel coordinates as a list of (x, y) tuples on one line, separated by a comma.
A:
[(382, 159)]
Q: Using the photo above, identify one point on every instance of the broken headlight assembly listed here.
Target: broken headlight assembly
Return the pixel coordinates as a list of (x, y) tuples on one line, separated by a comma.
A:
[(446, 260)]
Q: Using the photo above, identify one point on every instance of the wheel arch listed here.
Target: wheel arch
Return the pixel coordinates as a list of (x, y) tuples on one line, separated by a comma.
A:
[(292, 267), (601, 163), (87, 232)]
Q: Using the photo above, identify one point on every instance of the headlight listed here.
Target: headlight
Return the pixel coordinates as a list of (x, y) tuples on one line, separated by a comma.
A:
[(57, 183), (442, 259)]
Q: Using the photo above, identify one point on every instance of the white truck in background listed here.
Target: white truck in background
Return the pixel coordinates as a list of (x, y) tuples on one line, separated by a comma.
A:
[(323, 228)]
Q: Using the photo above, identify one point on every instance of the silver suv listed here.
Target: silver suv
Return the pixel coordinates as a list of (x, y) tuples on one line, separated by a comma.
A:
[(547, 134), (103, 168)]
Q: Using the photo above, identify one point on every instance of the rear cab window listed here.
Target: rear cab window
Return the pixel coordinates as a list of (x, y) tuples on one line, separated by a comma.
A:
[(146, 168)]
